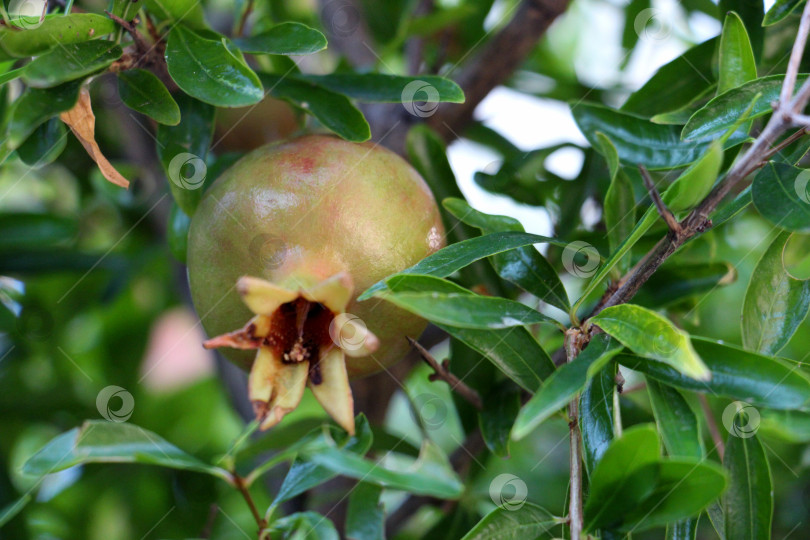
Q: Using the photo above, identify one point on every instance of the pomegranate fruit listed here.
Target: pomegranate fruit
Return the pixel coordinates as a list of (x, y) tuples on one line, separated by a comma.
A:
[(297, 230)]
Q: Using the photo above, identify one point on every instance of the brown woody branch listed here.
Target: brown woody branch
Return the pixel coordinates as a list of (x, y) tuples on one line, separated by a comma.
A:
[(665, 213), (441, 372)]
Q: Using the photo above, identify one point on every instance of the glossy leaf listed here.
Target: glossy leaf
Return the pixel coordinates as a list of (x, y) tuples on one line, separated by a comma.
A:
[(736, 373), (737, 64), (675, 281), (775, 304), (676, 421), (442, 302), (365, 518), (779, 10), (99, 441), (379, 87), (523, 266), (675, 84), (303, 525), (748, 503), (61, 30), (186, 145), (620, 203), (781, 193), (495, 421), (70, 62), (142, 91), (638, 140), (614, 488), (209, 70), (188, 12), (723, 111), (564, 384), (45, 144), (648, 334), (333, 110), (456, 256), (528, 521), (284, 38), (36, 106), (598, 405), (177, 233)]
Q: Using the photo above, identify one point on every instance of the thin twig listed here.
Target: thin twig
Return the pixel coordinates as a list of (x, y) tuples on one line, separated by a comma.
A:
[(441, 372), (712, 424), (575, 515), (669, 218), (795, 58), (140, 43), (240, 28), (241, 486)]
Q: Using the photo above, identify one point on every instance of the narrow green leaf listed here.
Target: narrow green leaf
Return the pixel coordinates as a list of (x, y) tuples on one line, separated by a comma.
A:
[(379, 87), (45, 144), (333, 110), (737, 64), (528, 521), (789, 426), (779, 10), (675, 281), (36, 106), (736, 373), (70, 62), (142, 91), (209, 70), (620, 202), (495, 421), (285, 38), (650, 335), (723, 111), (456, 256), (638, 140), (365, 518), (443, 302), (177, 233), (676, 421), (302, 525), (775, 304), (54, 30), (523, 266), (564, 384), (99, 441), (781, 193), (614, 489), (598, 420), (748, 504)]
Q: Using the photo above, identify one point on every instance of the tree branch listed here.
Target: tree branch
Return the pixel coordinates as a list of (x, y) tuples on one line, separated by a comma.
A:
[(573, 344), (442, 373), (665, 213)]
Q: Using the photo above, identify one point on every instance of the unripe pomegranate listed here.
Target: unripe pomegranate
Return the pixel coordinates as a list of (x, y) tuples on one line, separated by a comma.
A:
[(280, 247)]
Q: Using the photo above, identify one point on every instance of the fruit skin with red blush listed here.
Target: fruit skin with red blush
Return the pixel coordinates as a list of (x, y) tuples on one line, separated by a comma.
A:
[(305, 210)]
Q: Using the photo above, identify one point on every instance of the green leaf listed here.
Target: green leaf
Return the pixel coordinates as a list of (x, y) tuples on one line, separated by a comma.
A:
[(789, 426), (597, 419), (430, 474), (185, 146), (45, 144), (333, 110), (685, 529), (8, 512), (23, 230), (748, 503), (54, 30), (614, 488), (564, 384), (285, 38), (675, 84), (305, 473), (458, 306), (751, 14), (495, 421), (143, 92), (781, 193), (676, 281), (620, 202), (99, 441), (638, 140), (365, 518), (177, 233), (70, 62), (36, 106), (779, 10), (737, 64), (379, 87), (676, 421), (736, 373), (528, 521), (189, 12), (775, 303), (210, 71), (650, 335), (523, 266), (723, 111), (456, 256), (302, 525)]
